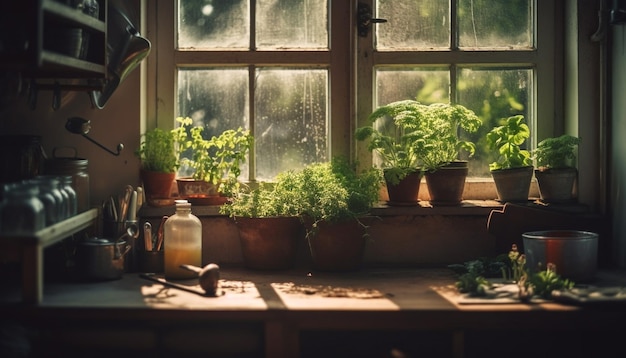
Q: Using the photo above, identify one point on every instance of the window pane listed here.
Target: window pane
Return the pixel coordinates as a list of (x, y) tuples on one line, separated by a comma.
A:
[(216, 99), (424, 84), (419, 24), (294, 24), (206, 24), (494, 94), (291, 122), (495, 23)]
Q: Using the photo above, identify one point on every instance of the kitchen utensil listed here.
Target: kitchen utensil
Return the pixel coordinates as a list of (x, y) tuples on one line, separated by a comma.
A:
[(208, 277), (573, 252), (101, 259), (126, 49), (180, 286), (160, 232), (78, 125), (147, 235)]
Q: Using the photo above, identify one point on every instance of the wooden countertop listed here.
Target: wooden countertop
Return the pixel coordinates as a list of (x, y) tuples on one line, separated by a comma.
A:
[(253, 292)]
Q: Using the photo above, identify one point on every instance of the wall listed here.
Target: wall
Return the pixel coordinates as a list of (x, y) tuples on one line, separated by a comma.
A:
[(618, 145), (117, 123)]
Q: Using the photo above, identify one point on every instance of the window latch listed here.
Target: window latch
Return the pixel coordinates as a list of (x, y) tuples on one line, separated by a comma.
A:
[(365, 19)]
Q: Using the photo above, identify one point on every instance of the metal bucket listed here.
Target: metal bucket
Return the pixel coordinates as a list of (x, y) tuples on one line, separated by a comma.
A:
[(575, 253)]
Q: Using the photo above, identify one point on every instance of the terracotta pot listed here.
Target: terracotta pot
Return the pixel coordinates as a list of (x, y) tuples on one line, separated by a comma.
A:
[(446, 184), (337, 246), (406, 192), (557, 185), (513, 184), (157, 185), (269, 243)]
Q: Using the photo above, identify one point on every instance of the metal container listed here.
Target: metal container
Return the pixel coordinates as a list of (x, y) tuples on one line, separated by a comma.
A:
[(575, 253), (101, 259)]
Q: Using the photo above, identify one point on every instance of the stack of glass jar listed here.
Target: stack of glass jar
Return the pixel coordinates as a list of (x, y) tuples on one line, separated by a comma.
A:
[(33, 204)]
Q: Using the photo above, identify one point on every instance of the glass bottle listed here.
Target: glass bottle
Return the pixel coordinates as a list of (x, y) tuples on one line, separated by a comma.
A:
[(182, 242)]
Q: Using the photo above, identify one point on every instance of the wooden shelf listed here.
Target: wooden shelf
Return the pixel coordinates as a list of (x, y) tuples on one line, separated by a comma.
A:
[(29, 250), (50, 35)]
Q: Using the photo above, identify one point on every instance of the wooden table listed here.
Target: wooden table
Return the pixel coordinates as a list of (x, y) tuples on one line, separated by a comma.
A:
[(307, 314)]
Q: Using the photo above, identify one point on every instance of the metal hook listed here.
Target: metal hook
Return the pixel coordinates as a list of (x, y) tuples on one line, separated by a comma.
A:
[(78, 125), (365, 19)]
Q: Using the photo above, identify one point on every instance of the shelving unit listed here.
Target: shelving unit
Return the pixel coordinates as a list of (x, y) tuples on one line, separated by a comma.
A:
[(29, 250), (34, 30)]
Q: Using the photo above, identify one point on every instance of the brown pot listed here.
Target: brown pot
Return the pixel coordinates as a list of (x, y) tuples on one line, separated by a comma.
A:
[(557, 185), (406, 192), (337, 246), (199, 192), (446, 184), (513, 184), (269, 243), (157, 185)]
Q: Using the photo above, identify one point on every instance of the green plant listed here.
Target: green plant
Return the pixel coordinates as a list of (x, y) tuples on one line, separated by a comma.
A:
[(473, 280), (506, 141), (279, 198), (558, 152), (422, 136), (216, 160), (334, 191), (158, 151)]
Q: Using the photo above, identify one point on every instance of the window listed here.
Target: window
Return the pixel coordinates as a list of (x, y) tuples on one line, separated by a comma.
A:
[(299, 76)]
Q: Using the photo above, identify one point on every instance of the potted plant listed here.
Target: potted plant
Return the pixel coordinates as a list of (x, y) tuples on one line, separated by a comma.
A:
[(159, 162), (445, 172), (335, 202), (555, 171), (422, 138), (512, 170), (268, 220), (215, 163), (399, 145)]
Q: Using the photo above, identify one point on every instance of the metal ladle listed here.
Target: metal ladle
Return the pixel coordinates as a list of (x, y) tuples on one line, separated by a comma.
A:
[(78, 125)]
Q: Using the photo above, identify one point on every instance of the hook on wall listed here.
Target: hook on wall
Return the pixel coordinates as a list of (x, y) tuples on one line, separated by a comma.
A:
[(78, 125)]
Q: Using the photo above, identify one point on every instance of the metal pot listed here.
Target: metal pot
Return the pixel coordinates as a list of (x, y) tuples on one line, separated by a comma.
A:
[(101, 259), (573, 252)]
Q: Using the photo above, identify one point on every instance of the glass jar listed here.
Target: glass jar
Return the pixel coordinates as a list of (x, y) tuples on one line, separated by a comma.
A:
[(49, 200), (77, 169), (52, 185), (66, 187), (21, 212), (182, 242)]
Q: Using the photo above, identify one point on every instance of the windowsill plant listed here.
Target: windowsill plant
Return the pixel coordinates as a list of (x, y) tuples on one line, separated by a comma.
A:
[(512, 170), (159, 160), (215, 161), (556, 173), (419, 137)]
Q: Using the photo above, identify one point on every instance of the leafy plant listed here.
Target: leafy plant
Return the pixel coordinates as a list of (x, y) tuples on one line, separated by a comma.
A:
[(331, 191), (399, 147), (216, 160), (506, 141), (279, 198), (558, 152), (474, 282), (334, 191), (421, 136), (158, 152)]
